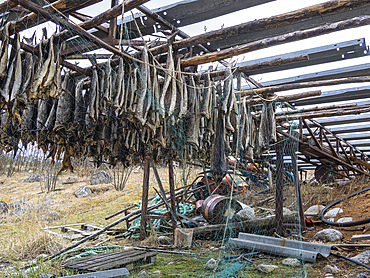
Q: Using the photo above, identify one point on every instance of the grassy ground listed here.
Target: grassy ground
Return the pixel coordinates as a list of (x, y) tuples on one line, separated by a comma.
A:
[(22, 238)]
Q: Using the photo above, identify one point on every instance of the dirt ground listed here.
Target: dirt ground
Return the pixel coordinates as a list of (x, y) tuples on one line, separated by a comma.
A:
[(23, 237)]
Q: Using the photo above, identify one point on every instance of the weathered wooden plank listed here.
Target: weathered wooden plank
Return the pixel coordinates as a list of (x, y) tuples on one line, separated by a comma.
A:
[(264, 43), (318, 10), (287, 87), (33, 19)]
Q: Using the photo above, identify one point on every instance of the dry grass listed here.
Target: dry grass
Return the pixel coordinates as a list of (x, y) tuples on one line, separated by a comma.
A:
[(22, 237)]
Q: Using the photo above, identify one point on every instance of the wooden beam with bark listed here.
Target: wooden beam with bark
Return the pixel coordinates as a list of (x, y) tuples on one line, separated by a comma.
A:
[(273, 41), (292, 97), (322, 114), (322, 9), (287, 87), (33, 19)]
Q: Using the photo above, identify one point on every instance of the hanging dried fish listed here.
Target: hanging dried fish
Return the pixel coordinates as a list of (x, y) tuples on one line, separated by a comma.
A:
[(228, 85), (91, 113), (17, 70), (27, 69), (143, 87), (45, 104), (4, 50), (65, 104), (169, 87), (50, 74), (7, 89), (207, 92), (218, 156), (42, 75), (120, 89), (193, 117), (49, 124), (267, 129), (37, 71), (131, 105), (80, 105), (107, 89)]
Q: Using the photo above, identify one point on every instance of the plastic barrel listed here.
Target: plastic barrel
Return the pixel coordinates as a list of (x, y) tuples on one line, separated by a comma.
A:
[(214, 208)]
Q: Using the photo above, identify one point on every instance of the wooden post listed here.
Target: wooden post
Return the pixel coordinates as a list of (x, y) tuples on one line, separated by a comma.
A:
[(112, 25), (144, 199), (279, 203), (293, 149), (172, 194)]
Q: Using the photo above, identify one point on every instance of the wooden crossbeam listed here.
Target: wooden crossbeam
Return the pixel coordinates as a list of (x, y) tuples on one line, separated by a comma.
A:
[(329, 7)]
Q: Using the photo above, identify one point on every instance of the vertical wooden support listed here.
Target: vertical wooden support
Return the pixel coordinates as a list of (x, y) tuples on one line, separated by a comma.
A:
[(279, 203), (144, 200), (112, 25), (172, 194), (297, 185)]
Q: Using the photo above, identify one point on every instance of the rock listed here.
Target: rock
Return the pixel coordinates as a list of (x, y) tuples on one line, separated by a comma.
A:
[(4, 207), (49, 201), (54, 214), (71, 180), (314, 210), (333, 212), (328, 235), (47, 218), (100, 177), (363, 257), (83, 192), (33, 178), (164, 240), (19, 208), (247, 213), (211, 264), (157, 273), (287, 211), (333, 269), (291, 262), (345, 219), (266, 268), (143, 274), (42, 207)]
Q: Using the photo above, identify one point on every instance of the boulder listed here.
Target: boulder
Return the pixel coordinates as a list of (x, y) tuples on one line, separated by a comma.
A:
[(83, 192), (333, 212), (4, 207), (100, 177), (19, 208), (266, 268), (314, 210), (33, 178), (71, 180), (49, 201), (333, 269), (143, 274), (291, 262), (345, 219), (211, 264), (363, 257), (247, 213), (328, 235)]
